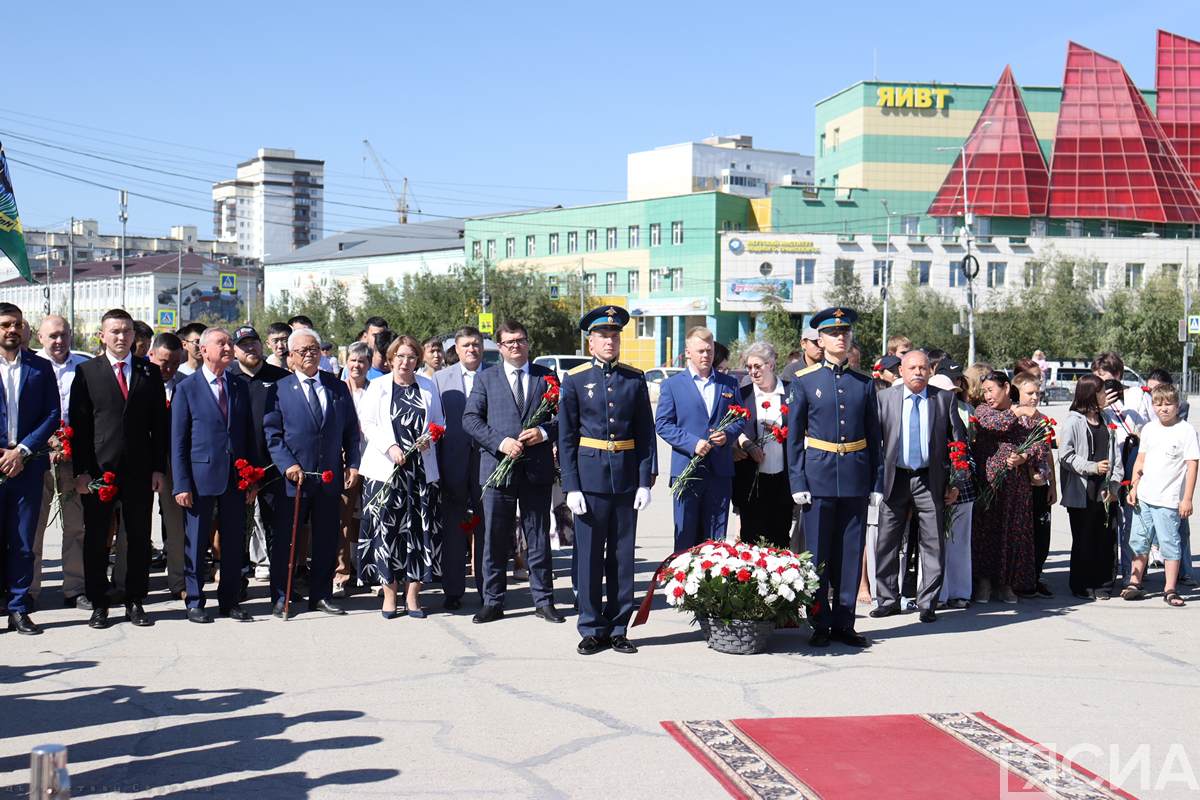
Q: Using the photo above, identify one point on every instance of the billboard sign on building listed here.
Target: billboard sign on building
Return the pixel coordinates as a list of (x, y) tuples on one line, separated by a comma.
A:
[(758, 289)]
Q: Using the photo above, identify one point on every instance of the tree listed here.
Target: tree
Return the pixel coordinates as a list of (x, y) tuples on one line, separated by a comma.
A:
[(779, 329), (927, 318), (848, 292), (1143, 325)]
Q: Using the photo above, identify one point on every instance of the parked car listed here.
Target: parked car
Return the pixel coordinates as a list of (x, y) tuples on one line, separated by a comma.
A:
[(491, 351), (655, 377), (1064, 374), (561, 364)]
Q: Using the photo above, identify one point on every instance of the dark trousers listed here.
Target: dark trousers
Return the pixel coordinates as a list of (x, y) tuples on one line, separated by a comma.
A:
[(910, 492), (456, 511), (767, 512), (1092, 547), (1041, 527), (702, 511), (230, 512), (834, 529), (499, 519), (136, 501), (604, 538), (20, 506), (320, 509)]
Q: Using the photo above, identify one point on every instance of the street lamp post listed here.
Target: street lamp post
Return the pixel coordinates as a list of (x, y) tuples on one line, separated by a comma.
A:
[(887, 272), (967, 232), (124, 217)]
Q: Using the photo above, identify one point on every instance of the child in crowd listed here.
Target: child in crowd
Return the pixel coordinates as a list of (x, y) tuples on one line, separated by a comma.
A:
[(1164, 479)]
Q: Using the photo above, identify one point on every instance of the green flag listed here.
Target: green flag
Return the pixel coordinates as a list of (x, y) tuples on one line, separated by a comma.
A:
[(12, 238)]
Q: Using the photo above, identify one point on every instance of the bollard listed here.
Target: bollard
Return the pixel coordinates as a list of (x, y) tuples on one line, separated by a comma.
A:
[(48, 776)]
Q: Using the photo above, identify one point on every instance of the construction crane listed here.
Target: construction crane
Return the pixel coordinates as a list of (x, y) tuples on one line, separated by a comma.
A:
[(401, 201)]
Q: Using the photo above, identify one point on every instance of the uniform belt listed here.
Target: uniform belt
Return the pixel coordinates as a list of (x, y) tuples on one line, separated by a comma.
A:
[(610, 445), (841, 448)]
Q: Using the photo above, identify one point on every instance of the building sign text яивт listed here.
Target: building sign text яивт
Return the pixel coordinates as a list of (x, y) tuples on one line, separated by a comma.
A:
[(911, 97)]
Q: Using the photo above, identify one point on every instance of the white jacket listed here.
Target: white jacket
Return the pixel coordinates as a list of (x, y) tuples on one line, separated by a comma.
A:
[(375, 419)]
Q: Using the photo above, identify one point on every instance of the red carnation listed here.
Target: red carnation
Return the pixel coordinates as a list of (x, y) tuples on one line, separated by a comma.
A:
[(109, 478), (762, 562), (1146, 389), (107, 493), (706, 565), (551, 380), (743, 575), (681, 576), (678, 591), (766, 403), (327, 476), (1051, 420), (1112, 426), (783, 409), (67, 431), (435, 432), (1124, 483), (973, 420), (243, 484), (724, 571), (746, 555), (241, 463)]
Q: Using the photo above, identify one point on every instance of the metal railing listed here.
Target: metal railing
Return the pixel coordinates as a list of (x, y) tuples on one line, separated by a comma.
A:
[(48, 776)]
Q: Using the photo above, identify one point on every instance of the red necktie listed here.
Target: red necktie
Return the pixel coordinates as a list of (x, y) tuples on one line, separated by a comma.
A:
[(222, 400), (120, 368)]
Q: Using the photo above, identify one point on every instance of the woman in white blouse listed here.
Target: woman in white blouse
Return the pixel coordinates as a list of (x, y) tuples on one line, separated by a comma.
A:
[(761, 495)]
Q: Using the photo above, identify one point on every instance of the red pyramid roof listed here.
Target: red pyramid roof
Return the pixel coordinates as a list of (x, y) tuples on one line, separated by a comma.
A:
[(1178, 84), (1006, 173), (1112, 159)]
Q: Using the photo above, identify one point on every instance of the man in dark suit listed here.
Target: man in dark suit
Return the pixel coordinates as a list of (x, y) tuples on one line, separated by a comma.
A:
[(210, 430), (311, 428), (918, 423), (458, 464), (119, 413), (29, 415), (691, 405), (501, 403)]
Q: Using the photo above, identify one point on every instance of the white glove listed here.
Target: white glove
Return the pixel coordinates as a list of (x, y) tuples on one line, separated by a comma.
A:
[(875, 499), (641, 499), (802, 498), (576, 503)]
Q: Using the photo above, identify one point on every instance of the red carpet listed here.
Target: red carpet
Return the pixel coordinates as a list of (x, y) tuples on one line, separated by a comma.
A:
[(920, 756)]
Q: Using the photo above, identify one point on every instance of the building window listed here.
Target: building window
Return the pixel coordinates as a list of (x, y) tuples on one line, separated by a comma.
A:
[(1033, 274), (805, 270), (995, 275), (910, 225), (1099, 276), (1133, 275), (1037, 227), (491, 249), (946, 226), (821, 146), (476, 250), (647, 327), (611, 238), (553, 282), (920, 270), (554, 244), (635, 236), (1074, 227), (655, 234), (1171, 271), (843, 271), (655, 280), (530, 246), (957, 278), (983, 226), (590, 240), (633, 280), (881, 275), (510, 248), (677, 232), (837, 139), (589, 282), (572, 241), (610, 283), (676, 279)]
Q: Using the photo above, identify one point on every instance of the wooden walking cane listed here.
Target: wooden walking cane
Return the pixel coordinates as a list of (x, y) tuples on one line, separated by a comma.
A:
[(287, 598)]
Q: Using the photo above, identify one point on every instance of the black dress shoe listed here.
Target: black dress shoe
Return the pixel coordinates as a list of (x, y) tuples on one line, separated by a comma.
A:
[(236, 613), (820, 638), (198, 615), (488, 614), (99, 619), (851, 638), (884, 611), (549, 613), (21, 623), (452, 603), (928, 615), (137, 615), (621, 644), (590, 645), (326, 607)]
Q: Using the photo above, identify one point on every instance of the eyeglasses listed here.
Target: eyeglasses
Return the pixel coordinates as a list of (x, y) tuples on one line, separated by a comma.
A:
[(308, 351), (192, 342), (513, 344), (756, 367)]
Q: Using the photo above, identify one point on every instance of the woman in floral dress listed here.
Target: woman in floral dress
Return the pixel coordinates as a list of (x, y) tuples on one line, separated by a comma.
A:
[(1002, 553)]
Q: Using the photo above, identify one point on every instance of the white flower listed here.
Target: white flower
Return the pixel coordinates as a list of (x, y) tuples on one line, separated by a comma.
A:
[(771, 598)]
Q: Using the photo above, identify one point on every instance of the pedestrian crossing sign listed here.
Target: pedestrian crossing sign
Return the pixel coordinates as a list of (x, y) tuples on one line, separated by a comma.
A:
[(485, 322), (228, 281), (166, 318)]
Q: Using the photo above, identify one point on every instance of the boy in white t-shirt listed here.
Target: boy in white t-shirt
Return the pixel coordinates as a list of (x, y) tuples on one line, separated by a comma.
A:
[(1164, 479)]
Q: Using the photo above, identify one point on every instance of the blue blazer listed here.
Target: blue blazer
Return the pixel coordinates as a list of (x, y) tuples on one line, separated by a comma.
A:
[(203, 447), (492, 416), (38, 409), (454, 448), (682, 421), (295, 437)]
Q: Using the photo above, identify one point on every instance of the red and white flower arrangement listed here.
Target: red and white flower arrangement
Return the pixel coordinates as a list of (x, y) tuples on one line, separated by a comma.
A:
[(718, 580)]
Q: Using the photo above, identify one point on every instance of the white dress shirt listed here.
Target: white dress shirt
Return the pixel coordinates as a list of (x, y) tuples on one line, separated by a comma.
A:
[(186, 368), (923, 414), (707, 388), (64, 374), (772, 463), (126, 367), (10, 378), (305, 387), (511, 373), (468, 377)]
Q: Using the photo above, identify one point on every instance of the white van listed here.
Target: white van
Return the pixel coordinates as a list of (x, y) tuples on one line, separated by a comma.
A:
[(1064, 375), (561, 364)]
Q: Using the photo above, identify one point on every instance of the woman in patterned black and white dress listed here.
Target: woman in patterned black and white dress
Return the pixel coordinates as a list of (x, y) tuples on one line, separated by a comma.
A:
[(401, 535)]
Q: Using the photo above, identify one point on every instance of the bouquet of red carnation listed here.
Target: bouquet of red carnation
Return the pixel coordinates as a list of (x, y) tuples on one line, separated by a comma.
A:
[(470, 524), (960, 468), (59, 442), (1042, 432), (431, 435), (688, 475), (248, 474), (105, 487), (547, 408)]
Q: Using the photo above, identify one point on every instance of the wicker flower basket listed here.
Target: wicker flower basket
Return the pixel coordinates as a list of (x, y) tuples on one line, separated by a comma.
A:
[(741, 637)]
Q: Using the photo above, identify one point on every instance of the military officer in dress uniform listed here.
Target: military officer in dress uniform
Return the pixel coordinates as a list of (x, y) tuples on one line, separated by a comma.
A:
[(606, 454), (834, 442)]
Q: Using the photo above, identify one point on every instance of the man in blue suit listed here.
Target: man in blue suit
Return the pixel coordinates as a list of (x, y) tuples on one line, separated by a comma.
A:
[(835, 461), (691, 405), (501, 402), (210, 430), (29, 415), (311, 428), (458, 465)]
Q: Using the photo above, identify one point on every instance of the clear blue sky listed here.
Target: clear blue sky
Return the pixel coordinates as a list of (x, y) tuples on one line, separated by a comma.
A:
[(484, 107)]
